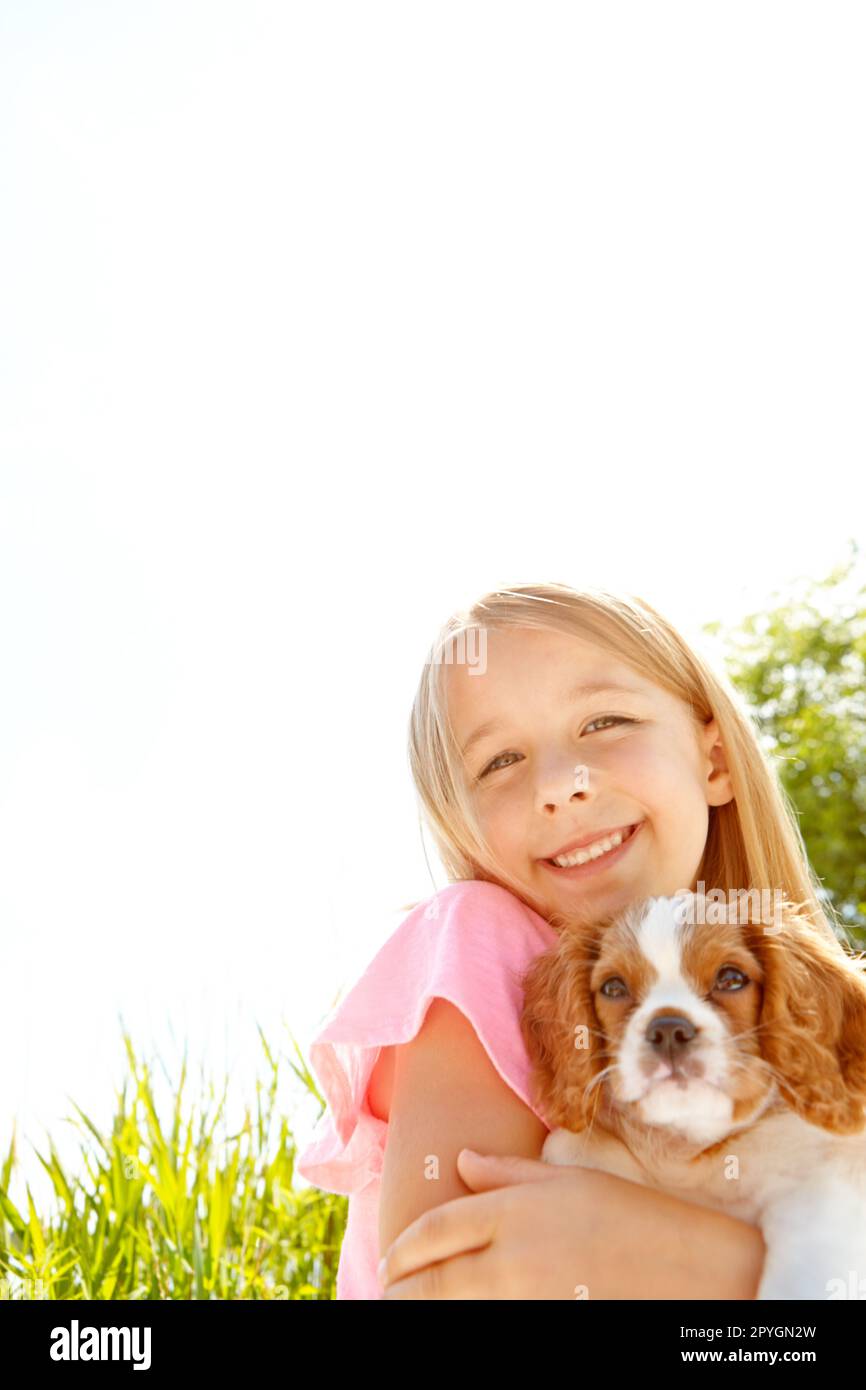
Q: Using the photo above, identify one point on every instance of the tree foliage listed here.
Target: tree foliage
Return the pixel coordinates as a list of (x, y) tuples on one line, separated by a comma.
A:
[(801, 668)]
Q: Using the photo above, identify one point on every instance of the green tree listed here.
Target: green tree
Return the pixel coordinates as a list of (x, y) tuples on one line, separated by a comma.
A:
[(801, 668)]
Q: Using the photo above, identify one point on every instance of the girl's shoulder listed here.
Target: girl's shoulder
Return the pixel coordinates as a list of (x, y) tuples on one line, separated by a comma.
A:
[(473, 932), (464, 939), (471, 944), (487, 906)]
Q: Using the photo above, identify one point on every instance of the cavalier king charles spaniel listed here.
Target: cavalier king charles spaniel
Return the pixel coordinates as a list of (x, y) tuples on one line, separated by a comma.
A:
[(718, 1060)]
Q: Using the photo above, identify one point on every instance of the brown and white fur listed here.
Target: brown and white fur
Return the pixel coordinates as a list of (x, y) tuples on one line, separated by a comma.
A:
[(727, 1067)]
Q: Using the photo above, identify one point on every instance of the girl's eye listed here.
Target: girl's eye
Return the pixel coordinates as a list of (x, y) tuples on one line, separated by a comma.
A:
[(617, 719), (491, 767), (602, 719)]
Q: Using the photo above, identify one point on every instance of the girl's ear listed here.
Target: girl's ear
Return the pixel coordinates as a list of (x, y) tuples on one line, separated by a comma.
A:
[(561, 1032), (813, 1023), (720, 789)]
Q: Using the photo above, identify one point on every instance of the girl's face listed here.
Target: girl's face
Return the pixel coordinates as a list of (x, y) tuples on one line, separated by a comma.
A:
[(646, 764)]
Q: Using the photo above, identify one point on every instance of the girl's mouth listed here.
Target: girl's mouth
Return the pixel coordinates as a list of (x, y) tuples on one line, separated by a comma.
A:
[(598, 865)]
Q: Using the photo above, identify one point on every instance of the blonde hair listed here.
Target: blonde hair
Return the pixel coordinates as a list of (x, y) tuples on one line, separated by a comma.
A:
[(754, 841)]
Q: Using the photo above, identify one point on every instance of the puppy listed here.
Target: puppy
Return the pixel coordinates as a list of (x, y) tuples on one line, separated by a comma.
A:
[(719, 1060)]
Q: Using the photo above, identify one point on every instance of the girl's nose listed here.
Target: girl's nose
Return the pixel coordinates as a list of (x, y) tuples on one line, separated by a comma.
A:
[(565, 782)]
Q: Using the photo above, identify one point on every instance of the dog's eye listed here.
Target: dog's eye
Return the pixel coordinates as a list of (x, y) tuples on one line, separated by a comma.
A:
[(730, 978), (614, 988)]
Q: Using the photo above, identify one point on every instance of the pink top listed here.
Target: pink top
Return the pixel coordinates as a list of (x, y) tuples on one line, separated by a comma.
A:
[(471, 943)]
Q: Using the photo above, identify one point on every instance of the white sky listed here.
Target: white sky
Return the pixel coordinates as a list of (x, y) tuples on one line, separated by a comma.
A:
[(317, 321)]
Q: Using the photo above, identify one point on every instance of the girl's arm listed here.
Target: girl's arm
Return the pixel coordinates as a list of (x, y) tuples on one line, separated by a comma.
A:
[(688, 1251), (447, 1095)]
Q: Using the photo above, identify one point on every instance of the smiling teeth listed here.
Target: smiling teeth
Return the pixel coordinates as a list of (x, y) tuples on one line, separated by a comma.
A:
[(593, 851)]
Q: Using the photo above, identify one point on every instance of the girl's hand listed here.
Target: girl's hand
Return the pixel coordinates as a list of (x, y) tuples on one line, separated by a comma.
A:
[(537, 1230)]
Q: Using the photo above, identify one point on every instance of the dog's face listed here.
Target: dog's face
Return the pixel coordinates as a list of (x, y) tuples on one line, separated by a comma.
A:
[(679, 1008), (691, 1018)]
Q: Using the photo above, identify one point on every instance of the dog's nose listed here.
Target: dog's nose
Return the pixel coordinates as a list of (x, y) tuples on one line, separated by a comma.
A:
[(669, 1033)]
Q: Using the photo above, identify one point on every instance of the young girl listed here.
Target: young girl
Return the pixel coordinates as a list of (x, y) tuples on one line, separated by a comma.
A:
[(579, 715)]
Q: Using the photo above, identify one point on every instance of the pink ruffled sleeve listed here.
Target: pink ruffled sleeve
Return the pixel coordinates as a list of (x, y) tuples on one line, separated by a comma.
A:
[(471, 943)]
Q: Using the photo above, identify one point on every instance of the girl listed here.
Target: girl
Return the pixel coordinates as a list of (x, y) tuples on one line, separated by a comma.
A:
[(582, 715)]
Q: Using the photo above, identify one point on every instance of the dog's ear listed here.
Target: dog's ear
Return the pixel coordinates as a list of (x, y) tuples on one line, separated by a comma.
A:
[(813, 1022), (561, 1031)]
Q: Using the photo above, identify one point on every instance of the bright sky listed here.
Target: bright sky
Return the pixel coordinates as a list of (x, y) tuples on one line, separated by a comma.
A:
[(318, 321)]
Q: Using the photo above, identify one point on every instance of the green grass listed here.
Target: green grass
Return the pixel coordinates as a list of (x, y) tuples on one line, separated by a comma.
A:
[(165, 1209)]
